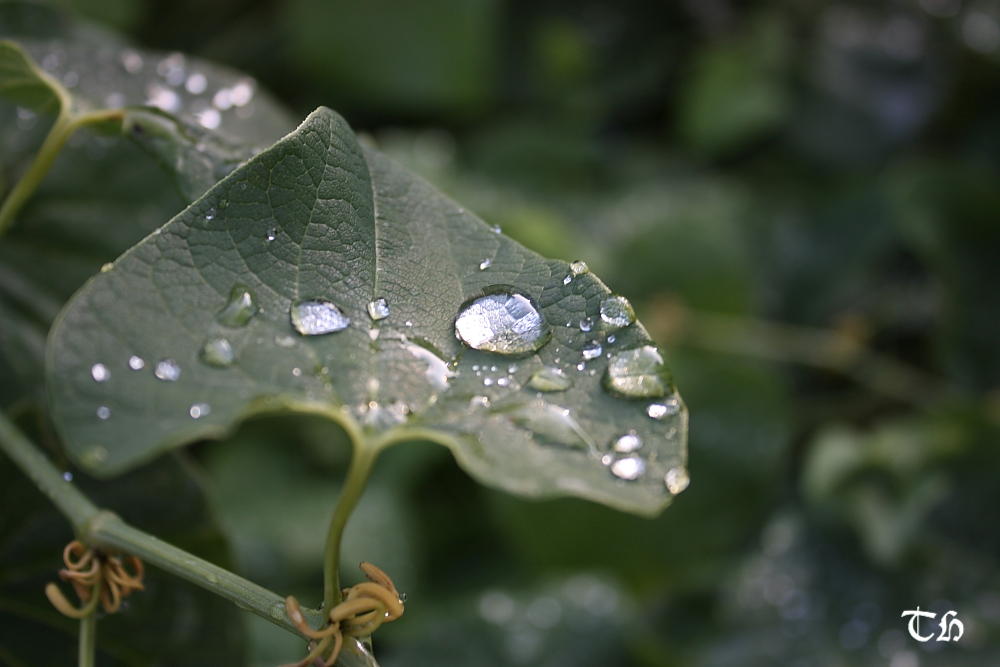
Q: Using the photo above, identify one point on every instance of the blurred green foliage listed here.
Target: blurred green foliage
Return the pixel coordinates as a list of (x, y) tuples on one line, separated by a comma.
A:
[(830, 166)]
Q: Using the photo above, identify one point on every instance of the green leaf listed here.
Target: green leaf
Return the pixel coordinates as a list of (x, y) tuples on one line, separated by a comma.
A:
[(314, 231), (170, 622)]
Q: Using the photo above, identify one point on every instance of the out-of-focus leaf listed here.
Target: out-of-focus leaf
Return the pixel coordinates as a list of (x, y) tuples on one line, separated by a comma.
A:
[(171, 622)]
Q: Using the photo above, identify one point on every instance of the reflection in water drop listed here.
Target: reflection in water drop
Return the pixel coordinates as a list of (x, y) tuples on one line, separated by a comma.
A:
[(167, 370), (438, 373), (676, 480), (315, 317), (578, 268), (136, 363), (629, 468), (637, 373), (504, 323), (592, 351), (103, 412), (616, 311), (378, 309), (271, 234), (239, 309), (485, 264), (586, 324), (100, 373), (550, 379), (218, 352)]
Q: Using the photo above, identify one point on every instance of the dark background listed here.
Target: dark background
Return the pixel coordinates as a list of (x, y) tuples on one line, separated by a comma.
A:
[(802, 200)]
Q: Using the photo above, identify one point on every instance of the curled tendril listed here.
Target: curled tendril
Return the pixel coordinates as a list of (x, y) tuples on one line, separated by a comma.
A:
[(96, 578), (363, 608)]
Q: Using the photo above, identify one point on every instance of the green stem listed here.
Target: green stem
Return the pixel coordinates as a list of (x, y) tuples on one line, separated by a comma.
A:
[(66, 124), (88, 640), (354, 485), (105, 530)]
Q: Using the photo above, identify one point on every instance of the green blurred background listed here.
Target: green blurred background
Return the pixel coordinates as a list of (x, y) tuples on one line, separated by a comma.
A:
[(802, 201)]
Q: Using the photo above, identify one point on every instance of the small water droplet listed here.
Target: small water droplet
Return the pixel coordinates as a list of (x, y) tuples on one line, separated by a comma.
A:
[(502, 322), (218, 352), (629, 468), (551, 423), (568, 279), (103, 412), (378, 309), (438, 373), (550, 379), (315, 317), (107, 266), (96, 454), (581, 366), (611, 339), (503, 382), (239, 309), (284, 340), (495, 229), (485, 264), (100, 373), (271, 234), (196, 83), (637, 373), (665, 409), (627, 443), (297, 372), (586, 324), (676, 480), (592, 351), (578, 268), (136, 363), (210, 214), (616, 311), (199, 410), (479, 402), (167, 370), (408, 323), (67, 476), (487, 382)]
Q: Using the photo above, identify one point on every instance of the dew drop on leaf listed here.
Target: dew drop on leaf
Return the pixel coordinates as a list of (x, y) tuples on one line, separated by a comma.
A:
[(100, 373), (378, 309), (551, 423), (315, 317), (136, 363), (550, 379), (199, 410), (616, 311), (503, 322), (637, 373), (629, 468), (167, 370), (103, 413), (239, 309), (218, 352), (627, 443), (592, 351), (676, 480), (578, 268), (438, 373), (485, 264), (665, 409)]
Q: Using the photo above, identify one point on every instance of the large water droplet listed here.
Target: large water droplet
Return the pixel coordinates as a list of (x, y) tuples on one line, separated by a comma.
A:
[(637, 373), (676, 480), (627, 443), (549, 422), (378, 309), (100, 373), (167, 370), (239, 309), (592, 351), (438, 373), (218, 352), (550, 379), (616, 311), (629, 468), (578, 268), (314, 317), (504, 323)]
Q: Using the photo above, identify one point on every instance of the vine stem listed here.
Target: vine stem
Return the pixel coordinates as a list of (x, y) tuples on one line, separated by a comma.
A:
[(88, 640), (65, 125), (354, 485), (105, 530)]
